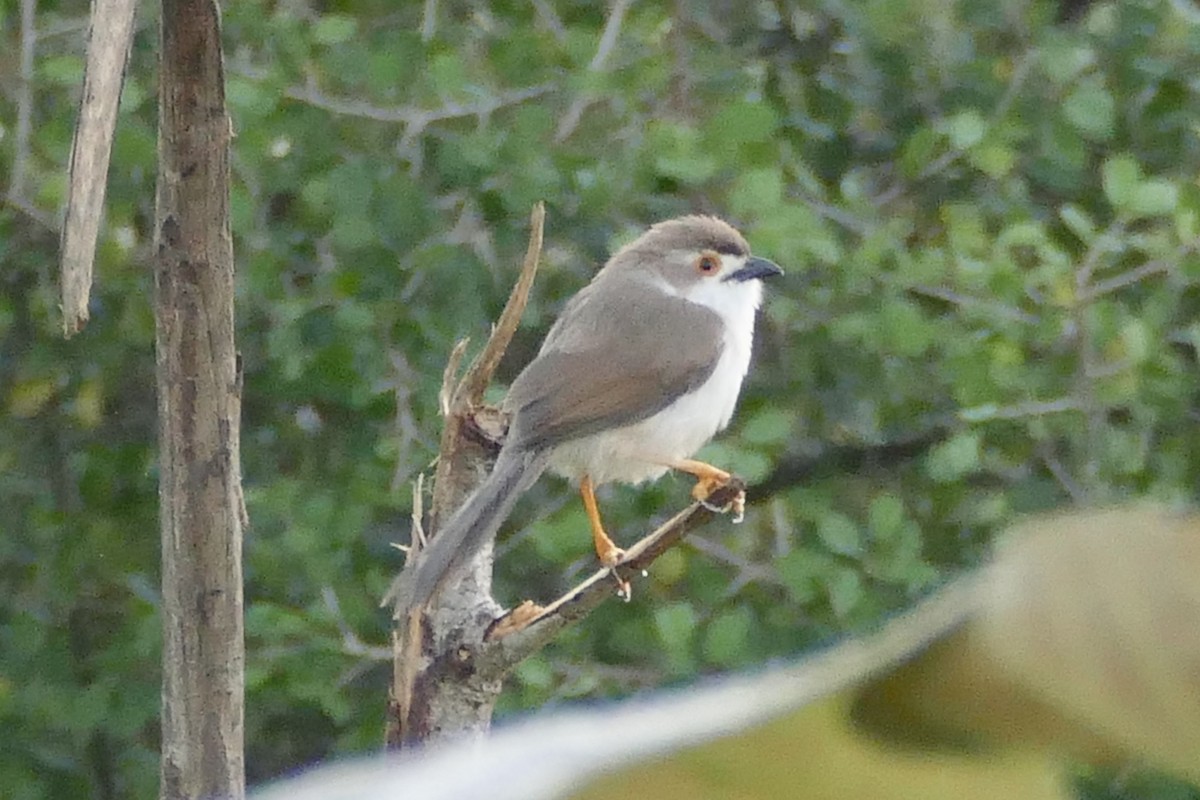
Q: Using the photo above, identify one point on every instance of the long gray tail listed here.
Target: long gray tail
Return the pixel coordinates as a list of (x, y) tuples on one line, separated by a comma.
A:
[(468, 530)]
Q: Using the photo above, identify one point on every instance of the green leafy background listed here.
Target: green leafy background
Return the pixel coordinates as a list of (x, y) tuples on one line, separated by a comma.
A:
[(987, 211)]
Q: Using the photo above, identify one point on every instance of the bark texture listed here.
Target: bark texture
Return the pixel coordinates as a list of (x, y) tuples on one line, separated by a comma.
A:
[(199, 406), (437, 692)]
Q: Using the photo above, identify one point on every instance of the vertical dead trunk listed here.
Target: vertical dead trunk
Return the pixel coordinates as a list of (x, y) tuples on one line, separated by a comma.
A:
[(199, 407), (437, 692)]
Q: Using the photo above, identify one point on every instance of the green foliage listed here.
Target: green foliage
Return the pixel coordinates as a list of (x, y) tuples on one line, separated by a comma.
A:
[(988, 222)]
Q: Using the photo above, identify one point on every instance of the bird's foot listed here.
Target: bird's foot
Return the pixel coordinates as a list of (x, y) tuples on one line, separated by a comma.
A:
[(708, 480), (610, 556), (624, 587), (515, 620), (736, 506)]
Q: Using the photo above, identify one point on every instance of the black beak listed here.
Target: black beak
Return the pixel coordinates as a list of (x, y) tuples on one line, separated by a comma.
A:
[(755, 269)]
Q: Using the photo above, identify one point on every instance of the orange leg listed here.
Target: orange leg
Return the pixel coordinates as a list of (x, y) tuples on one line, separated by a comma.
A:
[(608, 553)]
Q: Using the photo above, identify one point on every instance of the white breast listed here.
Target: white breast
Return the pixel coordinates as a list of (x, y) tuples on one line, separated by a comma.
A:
[(640, 451)]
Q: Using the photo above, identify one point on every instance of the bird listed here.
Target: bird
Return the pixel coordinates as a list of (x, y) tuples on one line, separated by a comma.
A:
[(642, 368)]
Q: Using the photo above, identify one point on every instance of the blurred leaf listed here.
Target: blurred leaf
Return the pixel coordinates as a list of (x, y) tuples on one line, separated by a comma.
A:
[(676, 627), (955, 458), (769, 426), (965, 129), (1154, 198), (845, 589), (1091, 109), (726, 638), (1079, 222), (885, 515), (28, 397), (840, 534), (333, 29), (800, 571), (1121, 175)]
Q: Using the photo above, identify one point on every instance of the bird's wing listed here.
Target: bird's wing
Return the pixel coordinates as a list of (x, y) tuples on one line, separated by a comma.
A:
[(597, 372)]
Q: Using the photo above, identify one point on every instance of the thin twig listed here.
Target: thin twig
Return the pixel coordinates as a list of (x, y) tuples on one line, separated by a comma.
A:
[(1110, 285), (449, 374), (748, 571), (1100, 247), (1088, 350), (1061, 474), (506, 652), (414, 116), (418, 514), (608, 40), (1031, 408), (429, 20), (20, 163), (967, 301), (1020, 74), (24, 206), (352, 644), (551, 20), (408, 434), (479, 374)]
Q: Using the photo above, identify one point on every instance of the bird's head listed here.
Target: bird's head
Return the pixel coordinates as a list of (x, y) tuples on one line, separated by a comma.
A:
[(701, 259)]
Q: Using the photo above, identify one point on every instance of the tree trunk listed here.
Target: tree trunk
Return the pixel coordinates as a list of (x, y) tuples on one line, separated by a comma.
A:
[(199, 406)]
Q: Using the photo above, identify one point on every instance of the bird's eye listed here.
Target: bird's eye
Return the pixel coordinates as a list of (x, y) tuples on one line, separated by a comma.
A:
[(708, 263)]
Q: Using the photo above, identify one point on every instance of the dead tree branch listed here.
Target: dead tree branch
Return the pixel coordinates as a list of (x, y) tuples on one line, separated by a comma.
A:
[(108, 51), (423, 703)]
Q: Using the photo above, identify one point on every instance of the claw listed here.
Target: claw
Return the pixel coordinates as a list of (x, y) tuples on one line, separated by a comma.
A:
[(624, 587), (738, 505)]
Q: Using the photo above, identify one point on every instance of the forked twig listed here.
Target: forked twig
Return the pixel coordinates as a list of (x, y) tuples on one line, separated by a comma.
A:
[(479, 374)]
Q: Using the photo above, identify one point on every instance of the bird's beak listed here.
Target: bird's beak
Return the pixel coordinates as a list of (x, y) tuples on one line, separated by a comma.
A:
[(754, 269)]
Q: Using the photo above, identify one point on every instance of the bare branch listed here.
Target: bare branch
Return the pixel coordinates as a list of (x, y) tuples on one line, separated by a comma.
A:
[(418, 514), (967, 301), (551, 20), (1031, 408), (352, 643), (1061, 474), (449, 374), (1021, 73), (507, 650), (199, 381), (1088, 350), (608, 40), (107, 54), (413, 116), (1117, 282), (24, 99), (479, 374), (1101, 246), (31, 211), (428, 20), (429, 696), (747, 571)]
